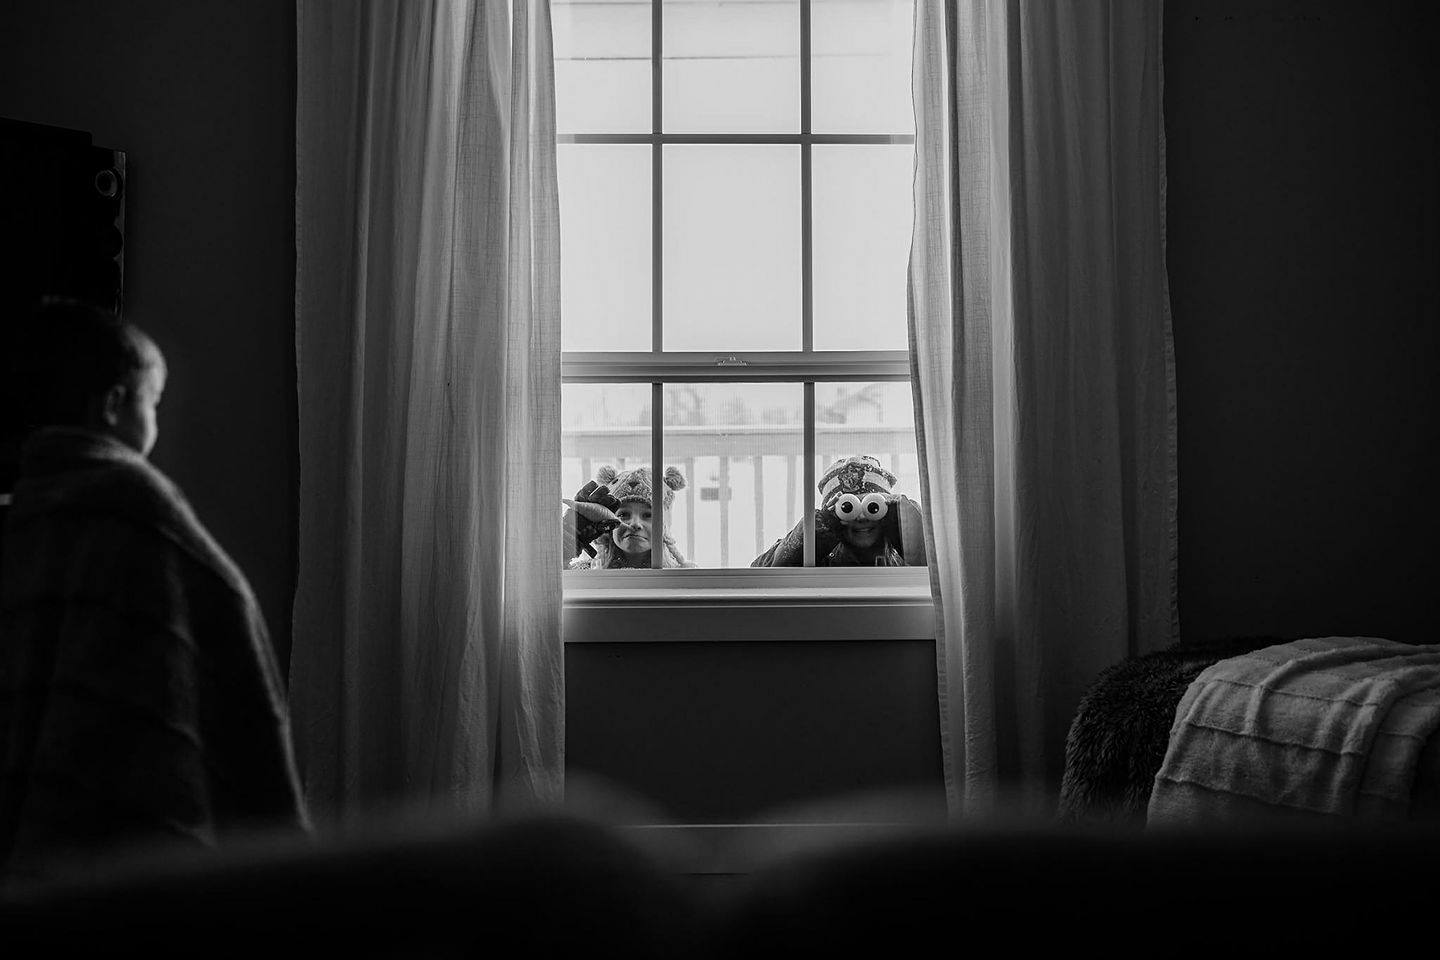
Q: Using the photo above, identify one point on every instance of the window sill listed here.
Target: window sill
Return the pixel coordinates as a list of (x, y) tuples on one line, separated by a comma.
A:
[(811, 584), (747, 604)]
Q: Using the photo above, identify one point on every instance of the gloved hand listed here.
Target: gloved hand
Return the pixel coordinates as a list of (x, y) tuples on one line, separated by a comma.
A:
[(911, 522), (829, 533), (890, 523), (591, 514)]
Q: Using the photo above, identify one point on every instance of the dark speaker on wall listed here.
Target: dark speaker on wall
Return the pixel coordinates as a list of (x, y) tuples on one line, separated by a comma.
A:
[(62, 233), (62, 202)]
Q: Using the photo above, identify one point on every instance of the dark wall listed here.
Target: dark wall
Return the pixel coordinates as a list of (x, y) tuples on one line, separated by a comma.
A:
[(724, 731), (200, 94), (1304, 242), (1303, 255)]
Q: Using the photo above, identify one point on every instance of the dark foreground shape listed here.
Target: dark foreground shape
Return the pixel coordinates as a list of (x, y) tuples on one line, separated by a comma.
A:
[(554, 887)]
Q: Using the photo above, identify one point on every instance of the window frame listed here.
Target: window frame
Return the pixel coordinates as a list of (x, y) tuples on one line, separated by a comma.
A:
[(881, 595)]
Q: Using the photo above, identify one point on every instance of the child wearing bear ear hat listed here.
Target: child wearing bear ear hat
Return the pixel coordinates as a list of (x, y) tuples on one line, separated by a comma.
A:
[(860, 522), (610, 520)]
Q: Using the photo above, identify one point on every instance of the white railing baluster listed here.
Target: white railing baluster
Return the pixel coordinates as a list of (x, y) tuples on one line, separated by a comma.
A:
[(792, 503), (724, 510), (758, 463), (690, 507)]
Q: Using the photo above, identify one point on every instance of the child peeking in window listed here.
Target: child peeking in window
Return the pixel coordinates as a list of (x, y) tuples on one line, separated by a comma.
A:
[(860, 522), (610, 520)]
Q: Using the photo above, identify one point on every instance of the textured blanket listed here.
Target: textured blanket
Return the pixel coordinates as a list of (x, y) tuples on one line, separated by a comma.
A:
[(140, 700), (1322, 727)]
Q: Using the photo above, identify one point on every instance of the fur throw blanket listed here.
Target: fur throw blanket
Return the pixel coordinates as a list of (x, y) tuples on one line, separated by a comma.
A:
[(1121, 730), (140, 699)]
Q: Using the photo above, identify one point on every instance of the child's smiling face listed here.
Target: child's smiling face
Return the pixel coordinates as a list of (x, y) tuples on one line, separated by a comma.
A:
[(861, 532)]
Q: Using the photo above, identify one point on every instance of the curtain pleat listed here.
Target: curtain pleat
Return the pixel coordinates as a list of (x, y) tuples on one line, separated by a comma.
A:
[(1042, 372), (426, 667)]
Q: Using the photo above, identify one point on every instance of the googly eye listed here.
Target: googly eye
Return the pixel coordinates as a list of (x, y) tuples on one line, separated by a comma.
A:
[(874, 507), (847, 507)]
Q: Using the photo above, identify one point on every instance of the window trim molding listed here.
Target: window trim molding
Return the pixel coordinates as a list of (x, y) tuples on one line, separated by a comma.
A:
[(747, 604), (781, 139), (711, 366)]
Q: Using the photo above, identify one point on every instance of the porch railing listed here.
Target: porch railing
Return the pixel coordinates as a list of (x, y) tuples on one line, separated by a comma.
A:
[(728, 448)]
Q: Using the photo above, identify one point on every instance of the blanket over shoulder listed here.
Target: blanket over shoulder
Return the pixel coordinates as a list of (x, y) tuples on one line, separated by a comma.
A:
[(1321, 727), (140, 698)]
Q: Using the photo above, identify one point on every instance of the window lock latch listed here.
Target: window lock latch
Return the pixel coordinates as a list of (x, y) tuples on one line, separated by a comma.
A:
[(731, 362)]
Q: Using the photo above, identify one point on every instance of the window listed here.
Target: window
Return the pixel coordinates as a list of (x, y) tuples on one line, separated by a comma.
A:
[(735, 188)]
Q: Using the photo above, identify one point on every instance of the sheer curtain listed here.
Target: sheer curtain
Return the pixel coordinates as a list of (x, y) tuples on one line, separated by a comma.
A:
[(1043, 370), (427, 668)]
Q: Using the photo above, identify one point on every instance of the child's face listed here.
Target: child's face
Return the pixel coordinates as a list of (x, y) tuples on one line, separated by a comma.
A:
[(633, 533), (861, 532), (860, 514), (131, 417)]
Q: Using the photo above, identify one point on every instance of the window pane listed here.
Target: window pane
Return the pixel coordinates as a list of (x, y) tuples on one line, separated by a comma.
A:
[(732, 247), (860, 66), (869, 419), (605, 255), (601, 424), (741, 449), (862, 214), (731, 67), (602, 66)]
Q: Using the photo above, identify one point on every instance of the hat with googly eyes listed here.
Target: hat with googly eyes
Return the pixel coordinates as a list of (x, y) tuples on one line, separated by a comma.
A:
[(848, 483)]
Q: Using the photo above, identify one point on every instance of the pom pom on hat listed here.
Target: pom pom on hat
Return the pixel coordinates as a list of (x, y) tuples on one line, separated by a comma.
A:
[(635, 484), (857, 475)]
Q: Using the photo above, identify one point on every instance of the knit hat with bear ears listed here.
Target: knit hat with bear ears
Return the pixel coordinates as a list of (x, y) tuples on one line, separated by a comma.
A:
[(635, 484), (857, 475)]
